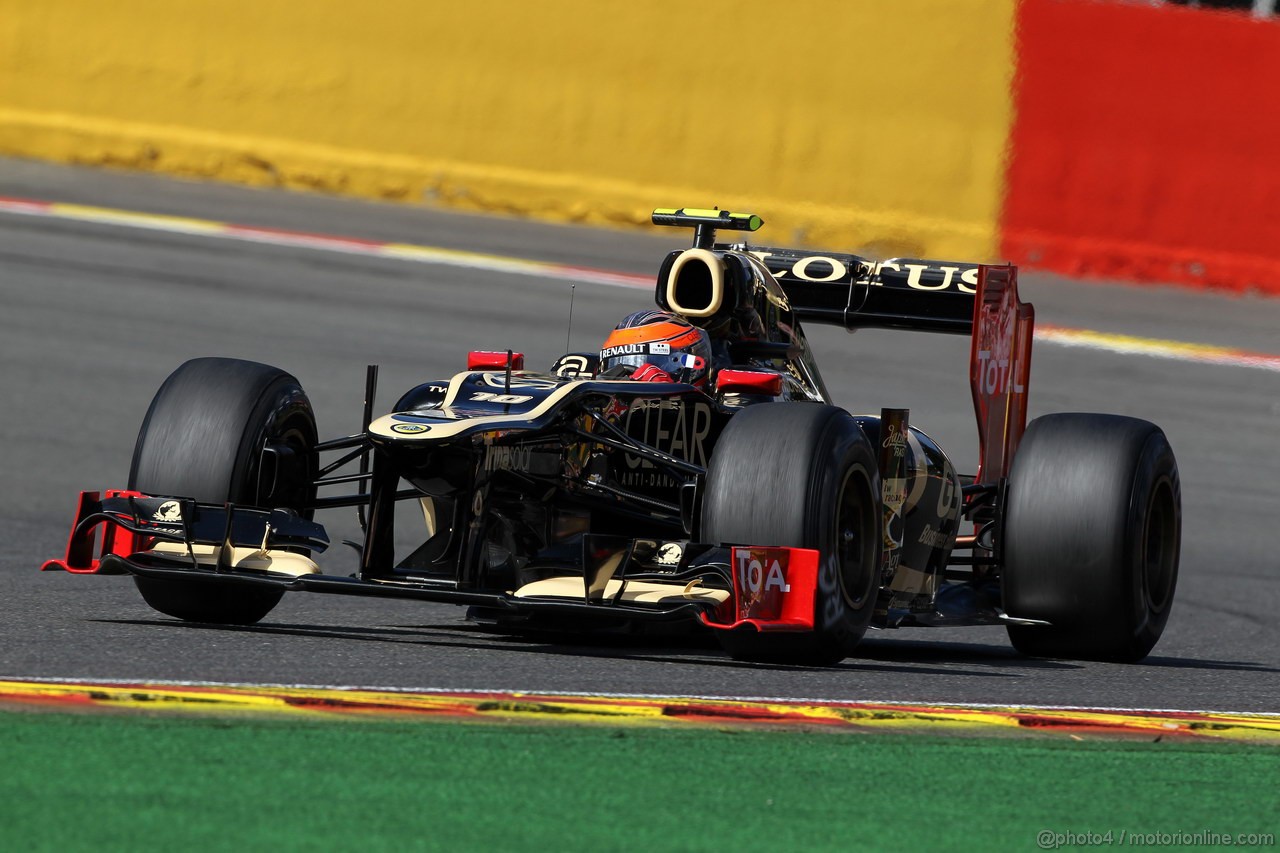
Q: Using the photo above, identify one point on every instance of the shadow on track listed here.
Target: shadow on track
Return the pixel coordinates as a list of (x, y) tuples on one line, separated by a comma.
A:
[(900, 651), (1192, 663), (687, 650)]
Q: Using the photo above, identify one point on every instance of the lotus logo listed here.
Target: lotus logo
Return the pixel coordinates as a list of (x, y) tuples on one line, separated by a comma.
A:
[(409, 429), (169, 511)]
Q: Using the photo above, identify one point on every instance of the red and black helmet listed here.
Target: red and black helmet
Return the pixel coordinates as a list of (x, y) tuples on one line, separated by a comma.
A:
[(658, 346)]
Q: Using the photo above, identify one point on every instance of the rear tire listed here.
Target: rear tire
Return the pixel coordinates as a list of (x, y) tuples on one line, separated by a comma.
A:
[(801, 475), (1092, 532), (222, 429)]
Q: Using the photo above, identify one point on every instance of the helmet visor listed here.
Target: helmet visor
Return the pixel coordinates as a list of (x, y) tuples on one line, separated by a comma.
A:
[(680, 366)]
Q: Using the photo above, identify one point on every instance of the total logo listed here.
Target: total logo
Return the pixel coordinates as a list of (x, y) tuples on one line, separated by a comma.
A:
[(755, 577), (994, 375)]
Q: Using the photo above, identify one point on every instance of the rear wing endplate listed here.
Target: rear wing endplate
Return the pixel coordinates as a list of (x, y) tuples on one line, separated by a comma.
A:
[(999, 368)]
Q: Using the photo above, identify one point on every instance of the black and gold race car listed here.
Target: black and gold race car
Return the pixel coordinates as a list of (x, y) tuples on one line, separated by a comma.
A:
[(694, 469)]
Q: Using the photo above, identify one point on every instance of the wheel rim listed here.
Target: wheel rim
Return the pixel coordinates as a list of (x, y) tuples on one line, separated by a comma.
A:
[(855, 537), (1160, 546)]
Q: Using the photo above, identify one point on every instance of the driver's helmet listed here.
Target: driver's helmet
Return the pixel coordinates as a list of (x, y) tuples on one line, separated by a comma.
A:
[(658, 347)]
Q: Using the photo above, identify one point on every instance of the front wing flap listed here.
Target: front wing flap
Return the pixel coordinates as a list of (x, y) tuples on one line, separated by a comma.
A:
[(127, 519)]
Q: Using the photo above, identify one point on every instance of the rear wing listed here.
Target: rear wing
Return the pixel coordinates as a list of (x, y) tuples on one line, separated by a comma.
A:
[(857, 293), (978, 300), (848, 290)]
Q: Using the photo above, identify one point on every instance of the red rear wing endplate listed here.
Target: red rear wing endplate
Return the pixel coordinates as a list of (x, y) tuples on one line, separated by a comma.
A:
[(999, 368)]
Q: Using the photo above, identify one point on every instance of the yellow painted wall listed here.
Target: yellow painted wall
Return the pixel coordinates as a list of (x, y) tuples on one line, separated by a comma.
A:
[(875, 124)]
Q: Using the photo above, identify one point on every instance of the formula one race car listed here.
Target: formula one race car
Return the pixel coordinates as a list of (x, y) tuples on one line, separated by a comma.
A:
[(694, 469)]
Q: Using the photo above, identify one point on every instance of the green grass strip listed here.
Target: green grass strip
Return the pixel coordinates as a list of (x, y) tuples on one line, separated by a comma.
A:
[(125, 782)]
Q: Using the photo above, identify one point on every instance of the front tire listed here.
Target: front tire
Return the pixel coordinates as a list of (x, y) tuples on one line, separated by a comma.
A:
[(1092, 532), (801, 475), (222, 429)]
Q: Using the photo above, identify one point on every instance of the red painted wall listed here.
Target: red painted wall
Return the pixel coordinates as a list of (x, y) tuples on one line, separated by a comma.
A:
[(1145, 144)]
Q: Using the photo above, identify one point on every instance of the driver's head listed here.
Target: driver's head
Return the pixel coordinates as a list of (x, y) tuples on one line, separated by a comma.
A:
[(658, 347)]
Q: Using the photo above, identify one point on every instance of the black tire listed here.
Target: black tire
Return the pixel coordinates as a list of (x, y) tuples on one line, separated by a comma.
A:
[(801, 475), (1091, 537), (204, 438)]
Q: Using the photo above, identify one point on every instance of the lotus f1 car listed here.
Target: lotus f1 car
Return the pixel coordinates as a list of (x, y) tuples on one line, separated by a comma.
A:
[(747, 502)]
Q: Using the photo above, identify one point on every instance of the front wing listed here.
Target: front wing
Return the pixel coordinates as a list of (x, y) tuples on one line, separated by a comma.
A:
[(757, 588)]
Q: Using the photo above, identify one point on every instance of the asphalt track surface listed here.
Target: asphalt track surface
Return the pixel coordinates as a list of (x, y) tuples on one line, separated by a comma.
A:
[(94, 316)]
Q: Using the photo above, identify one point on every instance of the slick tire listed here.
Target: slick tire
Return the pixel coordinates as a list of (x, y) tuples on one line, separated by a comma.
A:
[(1092, 531), (801, 475), (222, 429)]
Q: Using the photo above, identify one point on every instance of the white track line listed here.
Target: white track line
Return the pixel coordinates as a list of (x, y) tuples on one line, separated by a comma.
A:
[(1121, 344)]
